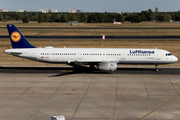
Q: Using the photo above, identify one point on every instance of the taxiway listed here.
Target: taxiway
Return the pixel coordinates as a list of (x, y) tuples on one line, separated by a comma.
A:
[(37, 93)]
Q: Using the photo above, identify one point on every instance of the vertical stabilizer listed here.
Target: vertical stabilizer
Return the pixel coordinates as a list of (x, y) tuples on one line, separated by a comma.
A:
[(17, 39)]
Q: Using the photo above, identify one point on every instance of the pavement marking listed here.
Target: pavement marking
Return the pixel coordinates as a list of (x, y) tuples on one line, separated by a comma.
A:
[(115, 101), (82, 98), (169, 82), (148, 95), (159, 107), (20, 94), (164, 103), (47, 98)]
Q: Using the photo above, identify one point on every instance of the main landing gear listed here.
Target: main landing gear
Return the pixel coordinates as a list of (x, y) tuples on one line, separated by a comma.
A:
[(92, 67)]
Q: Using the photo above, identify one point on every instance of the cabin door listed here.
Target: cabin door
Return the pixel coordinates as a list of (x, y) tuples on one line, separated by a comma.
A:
[(123, 56), (79, 55), (33, 55), (158, 56)]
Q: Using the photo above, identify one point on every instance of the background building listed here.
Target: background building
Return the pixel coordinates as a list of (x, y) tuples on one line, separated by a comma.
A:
[(78, 11), (72, 11), (156, 9), (75, 11), (20, 10), (3, 10), (48, 10)]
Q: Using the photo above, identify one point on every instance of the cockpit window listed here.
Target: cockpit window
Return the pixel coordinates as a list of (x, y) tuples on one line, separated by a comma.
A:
[(168, 54)]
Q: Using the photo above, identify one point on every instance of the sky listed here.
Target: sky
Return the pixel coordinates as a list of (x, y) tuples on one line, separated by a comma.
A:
[(92, 5)]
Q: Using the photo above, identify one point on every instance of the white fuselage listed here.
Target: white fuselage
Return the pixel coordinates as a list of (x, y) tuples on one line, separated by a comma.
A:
[(95, 55)]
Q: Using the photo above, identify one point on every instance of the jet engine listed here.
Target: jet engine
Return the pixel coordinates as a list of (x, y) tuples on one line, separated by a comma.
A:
[(108, 66)]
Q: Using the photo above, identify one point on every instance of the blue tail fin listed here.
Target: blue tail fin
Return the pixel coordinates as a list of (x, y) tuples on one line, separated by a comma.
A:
[(17, 39)]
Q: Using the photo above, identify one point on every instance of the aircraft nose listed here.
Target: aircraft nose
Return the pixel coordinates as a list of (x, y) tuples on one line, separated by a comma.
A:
[(175, 59)]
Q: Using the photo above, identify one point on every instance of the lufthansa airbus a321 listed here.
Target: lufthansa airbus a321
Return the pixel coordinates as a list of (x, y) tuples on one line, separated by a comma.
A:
[(103, 58)]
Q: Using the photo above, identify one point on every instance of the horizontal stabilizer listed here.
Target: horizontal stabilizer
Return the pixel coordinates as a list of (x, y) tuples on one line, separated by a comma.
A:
[(13, 52), (16, 52)]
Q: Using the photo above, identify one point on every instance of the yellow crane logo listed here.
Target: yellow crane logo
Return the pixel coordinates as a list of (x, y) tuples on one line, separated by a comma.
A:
[(15, 36)]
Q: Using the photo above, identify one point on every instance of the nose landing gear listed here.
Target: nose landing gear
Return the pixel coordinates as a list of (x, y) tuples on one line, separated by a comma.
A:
[(157, 68)]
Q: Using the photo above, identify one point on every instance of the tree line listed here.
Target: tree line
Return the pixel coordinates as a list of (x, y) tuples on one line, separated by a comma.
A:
[(147, 15), (62, 17)]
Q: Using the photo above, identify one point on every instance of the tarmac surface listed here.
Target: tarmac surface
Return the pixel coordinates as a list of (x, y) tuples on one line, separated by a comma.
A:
[(94, 28), (37, 93), (96, 37)]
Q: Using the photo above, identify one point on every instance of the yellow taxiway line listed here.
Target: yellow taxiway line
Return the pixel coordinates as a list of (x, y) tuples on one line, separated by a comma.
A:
[(164, 103)]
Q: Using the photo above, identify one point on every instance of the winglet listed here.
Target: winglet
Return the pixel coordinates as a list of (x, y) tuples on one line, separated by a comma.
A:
[(17, 39)]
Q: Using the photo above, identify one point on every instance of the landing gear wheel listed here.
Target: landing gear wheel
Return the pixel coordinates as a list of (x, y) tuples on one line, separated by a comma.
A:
[(157, 68)]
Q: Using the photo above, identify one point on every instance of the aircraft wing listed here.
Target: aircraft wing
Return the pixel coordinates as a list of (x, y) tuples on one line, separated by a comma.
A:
[(85, 61), (89, 61), (93, 61)]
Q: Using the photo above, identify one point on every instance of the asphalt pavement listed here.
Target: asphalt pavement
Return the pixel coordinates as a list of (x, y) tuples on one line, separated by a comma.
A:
[(130, 93), (87, 70)]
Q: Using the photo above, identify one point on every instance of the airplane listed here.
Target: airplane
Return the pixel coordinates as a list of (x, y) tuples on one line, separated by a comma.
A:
[(102, 58)]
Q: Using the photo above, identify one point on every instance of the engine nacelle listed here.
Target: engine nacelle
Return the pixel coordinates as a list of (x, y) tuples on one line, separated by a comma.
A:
[(108, 66)]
